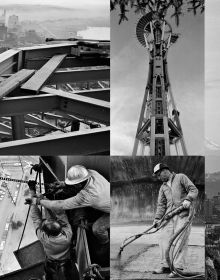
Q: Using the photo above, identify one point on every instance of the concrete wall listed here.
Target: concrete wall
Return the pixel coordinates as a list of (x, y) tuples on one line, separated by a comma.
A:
[(134, 191)]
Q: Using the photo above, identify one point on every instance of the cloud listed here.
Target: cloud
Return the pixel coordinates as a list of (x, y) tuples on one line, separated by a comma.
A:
[(211, 145)]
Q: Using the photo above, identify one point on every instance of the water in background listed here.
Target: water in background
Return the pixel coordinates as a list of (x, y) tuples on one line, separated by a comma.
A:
[(99, 33)]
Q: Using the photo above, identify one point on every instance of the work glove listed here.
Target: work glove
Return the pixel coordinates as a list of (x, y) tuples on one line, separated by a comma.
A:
[(32, 185), (186, 204), (56, 185), (156, 223), (36, 168), (32, 201)]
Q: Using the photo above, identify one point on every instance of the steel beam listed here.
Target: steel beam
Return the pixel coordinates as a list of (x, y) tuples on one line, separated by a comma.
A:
[(84, 107), (14, 81), (94, 141), (101, 94), (57, 116), (8, 60), (34, 271), (46, 51), (28, 104), (80, 75), (43, 74), (26, 123), (18, 130), (7, 119), (4, 135), (69, 62), (41, 122), (5, 128)]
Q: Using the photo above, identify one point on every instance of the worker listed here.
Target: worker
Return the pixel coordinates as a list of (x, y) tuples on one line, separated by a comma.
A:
[(55, 234), (176, 189), (93, 190)]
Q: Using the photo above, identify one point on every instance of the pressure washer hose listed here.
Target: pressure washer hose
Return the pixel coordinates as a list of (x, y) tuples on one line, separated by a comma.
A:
[(169, 254), (161, 224)]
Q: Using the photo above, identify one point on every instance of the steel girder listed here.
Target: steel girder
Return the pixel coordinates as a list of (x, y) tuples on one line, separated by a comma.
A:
[(47, 50), (94, 141), (36, 270), (69, 62), (9, 61), (85, 107), (28, 104), (78, 75), (14, 81), (41, 122), (43, 74), (101, 94)]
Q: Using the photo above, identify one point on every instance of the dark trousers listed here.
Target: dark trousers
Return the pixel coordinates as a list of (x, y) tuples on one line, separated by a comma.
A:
[(100, 228), (61, 270)]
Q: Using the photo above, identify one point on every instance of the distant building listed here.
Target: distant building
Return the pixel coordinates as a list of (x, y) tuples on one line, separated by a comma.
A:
[(3, 28), (31, 36), (13, 23), (216, 199), (2, 18), (3, 32), (208, 207)]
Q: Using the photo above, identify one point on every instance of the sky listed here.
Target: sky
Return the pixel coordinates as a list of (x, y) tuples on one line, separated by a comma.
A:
[(65, 3), (212, 79), (212, 164), (129, 71)]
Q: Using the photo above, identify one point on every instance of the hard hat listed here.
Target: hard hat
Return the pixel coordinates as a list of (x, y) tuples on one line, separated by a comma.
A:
[(77, 174), (160, 167)]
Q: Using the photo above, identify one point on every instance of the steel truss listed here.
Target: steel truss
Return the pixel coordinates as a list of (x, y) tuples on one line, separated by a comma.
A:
[(41, 91)]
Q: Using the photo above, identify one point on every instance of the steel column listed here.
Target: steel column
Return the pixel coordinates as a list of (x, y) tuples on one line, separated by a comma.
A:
[(18, 129)]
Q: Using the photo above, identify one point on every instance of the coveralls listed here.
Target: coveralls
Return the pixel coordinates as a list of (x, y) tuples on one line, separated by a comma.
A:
[(58, 265), (95, 194), (171, 195)]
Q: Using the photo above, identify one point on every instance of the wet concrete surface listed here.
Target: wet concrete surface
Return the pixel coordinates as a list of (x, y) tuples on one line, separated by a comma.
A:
[(140, 258)]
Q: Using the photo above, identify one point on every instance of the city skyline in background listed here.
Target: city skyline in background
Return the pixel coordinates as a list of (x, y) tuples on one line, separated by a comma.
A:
[(26, 25)]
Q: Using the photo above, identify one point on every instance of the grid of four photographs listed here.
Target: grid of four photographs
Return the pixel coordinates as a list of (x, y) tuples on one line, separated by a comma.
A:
[(104, 170)]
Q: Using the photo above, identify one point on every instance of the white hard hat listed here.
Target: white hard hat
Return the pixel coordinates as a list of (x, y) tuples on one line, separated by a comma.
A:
[(159, 167), (77, 174)]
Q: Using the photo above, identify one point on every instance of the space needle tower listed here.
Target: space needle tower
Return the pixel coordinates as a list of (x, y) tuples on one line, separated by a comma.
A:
[(159, 130)]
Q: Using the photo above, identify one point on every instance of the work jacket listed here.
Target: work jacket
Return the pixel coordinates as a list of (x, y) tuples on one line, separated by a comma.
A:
[(55, 247), (95, 194), (170, 197)]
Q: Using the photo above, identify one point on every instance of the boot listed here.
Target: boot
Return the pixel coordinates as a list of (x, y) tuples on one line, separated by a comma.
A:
[(161, 270), (174, 275)]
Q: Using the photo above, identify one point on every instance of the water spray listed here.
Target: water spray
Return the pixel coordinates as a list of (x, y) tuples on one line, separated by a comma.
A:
[(169, 255)]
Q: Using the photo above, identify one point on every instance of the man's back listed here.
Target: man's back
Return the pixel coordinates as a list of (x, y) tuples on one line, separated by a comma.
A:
[(55, 247)]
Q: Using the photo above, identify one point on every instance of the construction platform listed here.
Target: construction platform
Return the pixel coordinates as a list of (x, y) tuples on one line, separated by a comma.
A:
[(54, 99)]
